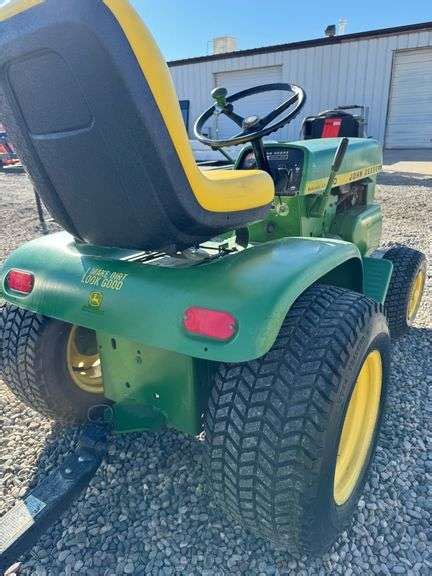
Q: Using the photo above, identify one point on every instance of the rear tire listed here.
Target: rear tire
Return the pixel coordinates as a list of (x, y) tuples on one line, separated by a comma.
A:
[(33, 364), (409, 266), (273, 425)]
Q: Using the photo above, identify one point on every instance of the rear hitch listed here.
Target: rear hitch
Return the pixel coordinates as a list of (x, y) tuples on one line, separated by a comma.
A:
[(23, 525)]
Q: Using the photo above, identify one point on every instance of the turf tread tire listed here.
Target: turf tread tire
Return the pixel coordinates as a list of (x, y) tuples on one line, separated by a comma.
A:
[(266, 420), (406, 264), (23, 339)]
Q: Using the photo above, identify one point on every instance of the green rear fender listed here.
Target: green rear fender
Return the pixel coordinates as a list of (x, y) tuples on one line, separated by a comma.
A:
[(102, 290)]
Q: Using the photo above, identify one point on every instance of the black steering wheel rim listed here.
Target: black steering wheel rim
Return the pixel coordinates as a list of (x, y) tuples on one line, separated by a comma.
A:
[(262, 127)]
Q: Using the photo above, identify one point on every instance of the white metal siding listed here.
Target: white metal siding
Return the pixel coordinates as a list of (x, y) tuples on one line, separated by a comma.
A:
[(355, 72), (409, 123), (259, 104)]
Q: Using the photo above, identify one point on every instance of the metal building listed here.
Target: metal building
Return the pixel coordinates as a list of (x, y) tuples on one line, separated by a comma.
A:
[(389, 71)]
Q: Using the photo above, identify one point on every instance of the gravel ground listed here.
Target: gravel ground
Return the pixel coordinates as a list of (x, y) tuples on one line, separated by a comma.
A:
[(146, 510)]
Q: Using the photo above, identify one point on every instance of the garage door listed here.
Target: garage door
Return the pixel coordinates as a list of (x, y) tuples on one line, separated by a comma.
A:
[(409, 123), (259, 104)]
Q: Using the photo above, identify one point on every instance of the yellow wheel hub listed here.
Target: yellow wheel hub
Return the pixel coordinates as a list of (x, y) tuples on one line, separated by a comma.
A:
[(416, 294), (83, 360), (358, 428)]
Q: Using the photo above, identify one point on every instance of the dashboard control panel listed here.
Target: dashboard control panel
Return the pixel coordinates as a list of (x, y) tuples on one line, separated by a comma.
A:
[(286, 165)]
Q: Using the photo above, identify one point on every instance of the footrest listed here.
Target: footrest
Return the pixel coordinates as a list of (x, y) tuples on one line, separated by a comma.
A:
[(377, 274)]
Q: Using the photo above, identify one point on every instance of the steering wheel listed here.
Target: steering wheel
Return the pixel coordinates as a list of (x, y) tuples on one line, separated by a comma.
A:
[(253, 128)]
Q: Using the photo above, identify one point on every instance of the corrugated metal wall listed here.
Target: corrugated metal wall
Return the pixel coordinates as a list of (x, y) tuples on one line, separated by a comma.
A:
[(354, 72)]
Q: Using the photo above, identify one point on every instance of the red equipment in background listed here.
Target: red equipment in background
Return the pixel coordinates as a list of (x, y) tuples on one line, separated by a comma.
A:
[(8, 156), (336, 123)]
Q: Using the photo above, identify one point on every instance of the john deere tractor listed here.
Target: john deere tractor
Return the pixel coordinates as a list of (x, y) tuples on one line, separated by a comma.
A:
[(250, 301)]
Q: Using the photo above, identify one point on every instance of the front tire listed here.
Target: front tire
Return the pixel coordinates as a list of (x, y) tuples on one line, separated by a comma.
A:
[(35, 364), (274, 426), (406, 288)]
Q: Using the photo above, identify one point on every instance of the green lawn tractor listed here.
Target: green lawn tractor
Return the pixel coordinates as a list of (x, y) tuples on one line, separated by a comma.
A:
[(249, 301)]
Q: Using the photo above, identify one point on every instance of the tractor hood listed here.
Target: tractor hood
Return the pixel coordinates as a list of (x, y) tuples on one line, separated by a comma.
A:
[(104, 290)]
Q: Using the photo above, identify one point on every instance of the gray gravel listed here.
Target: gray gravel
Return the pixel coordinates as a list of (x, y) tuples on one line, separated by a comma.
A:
[(147, 512)]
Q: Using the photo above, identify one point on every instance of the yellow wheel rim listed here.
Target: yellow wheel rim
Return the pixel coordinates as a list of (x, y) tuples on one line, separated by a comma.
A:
[(83, 360), (358, 428), (416, 294)]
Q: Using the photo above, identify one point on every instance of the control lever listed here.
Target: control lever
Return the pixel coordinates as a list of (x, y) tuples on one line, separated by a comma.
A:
[(283, 180), (318, 211)]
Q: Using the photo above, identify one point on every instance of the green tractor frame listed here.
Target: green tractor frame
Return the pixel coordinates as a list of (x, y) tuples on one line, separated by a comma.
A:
[(250, 301)]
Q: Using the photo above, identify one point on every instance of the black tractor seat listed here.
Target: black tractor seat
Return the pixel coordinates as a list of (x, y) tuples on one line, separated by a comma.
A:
[(89, 102)]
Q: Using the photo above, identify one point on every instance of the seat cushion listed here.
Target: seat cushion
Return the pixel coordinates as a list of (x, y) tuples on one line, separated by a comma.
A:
[(234, 190)]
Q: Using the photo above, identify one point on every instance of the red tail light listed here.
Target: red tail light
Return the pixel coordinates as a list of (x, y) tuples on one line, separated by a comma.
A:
[(213, 324), (20, 281)]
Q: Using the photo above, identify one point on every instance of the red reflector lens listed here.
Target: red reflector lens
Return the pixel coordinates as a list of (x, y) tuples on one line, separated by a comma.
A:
[(20, 281), (210, 323)]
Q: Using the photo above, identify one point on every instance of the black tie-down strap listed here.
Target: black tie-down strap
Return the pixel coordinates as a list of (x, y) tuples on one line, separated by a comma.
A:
[(22, 526)]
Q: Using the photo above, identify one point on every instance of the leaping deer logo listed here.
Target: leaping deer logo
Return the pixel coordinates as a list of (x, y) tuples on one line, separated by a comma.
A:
[(95, 299)]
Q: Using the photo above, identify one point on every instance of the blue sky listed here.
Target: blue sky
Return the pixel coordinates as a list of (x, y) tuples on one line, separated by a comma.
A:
[(183, 27)]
